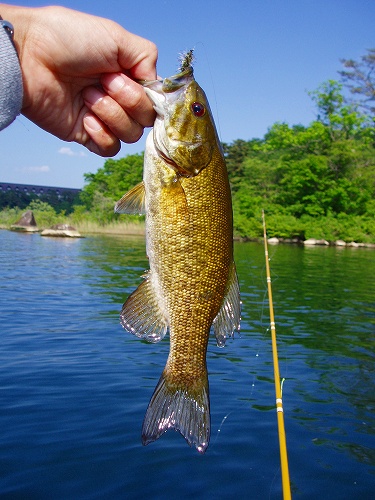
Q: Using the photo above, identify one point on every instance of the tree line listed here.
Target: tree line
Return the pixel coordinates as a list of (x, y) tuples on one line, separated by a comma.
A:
[(315, 181), (312, 181)]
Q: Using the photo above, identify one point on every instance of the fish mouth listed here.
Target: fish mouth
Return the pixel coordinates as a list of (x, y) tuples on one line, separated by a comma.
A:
[(157, 90), (170, 84), (175, 82)]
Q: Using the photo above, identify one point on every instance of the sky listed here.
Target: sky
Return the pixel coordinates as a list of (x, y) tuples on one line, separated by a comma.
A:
[(255, 59)]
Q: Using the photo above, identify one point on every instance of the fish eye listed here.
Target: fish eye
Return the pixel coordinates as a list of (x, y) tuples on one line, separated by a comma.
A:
[(198, 109)]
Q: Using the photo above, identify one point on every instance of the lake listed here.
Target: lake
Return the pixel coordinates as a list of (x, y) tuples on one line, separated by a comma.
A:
[(75, 386)]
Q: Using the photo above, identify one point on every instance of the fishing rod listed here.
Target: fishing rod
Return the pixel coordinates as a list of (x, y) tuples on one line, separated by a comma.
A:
[(279, 402)]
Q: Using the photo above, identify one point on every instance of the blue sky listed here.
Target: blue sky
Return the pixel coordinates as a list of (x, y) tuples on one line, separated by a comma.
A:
[(256, 60)]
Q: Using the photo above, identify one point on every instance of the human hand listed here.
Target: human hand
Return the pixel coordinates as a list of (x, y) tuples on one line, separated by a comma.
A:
[(78, 74)]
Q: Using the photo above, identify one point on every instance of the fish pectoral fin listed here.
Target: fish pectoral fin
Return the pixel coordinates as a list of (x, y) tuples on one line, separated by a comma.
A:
[(133, 202), (229, 317), (141, 314), (178, 408)]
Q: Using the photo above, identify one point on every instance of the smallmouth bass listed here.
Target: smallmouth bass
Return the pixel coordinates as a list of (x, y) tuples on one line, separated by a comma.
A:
[(192, 282)]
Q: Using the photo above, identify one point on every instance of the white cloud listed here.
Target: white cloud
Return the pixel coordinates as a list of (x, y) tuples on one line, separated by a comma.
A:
[(42, 169), (69, 152)]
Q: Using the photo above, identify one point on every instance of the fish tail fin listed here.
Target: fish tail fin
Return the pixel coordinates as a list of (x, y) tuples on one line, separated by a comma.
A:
[(186, 411)]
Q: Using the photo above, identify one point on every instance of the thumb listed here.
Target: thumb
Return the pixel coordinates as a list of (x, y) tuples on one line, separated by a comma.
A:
[(137, 56)]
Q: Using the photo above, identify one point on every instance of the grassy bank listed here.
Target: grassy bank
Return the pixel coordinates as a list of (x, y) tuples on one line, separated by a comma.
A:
[(360, 229), (92, 227), (46, 217)]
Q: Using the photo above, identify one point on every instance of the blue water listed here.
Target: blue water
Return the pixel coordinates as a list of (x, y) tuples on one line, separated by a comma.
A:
[(74, 386)]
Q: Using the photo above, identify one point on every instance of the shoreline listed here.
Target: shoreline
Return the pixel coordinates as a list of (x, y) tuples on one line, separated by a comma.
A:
[(138, 230), (311, 242)]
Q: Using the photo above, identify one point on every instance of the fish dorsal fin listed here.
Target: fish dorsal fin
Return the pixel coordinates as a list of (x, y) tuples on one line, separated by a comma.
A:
[(229, 317), (133, 202), (141, 314)]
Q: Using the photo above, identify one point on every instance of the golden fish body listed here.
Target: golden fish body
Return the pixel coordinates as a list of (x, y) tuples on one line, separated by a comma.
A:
[(192, 282)]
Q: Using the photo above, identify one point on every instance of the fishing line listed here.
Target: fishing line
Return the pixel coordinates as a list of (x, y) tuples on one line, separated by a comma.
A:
[(217, 118), (221, 425), (273, 481), (258, 282)]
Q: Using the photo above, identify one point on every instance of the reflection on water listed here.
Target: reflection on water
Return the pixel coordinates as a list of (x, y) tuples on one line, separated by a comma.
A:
[(75, 386)]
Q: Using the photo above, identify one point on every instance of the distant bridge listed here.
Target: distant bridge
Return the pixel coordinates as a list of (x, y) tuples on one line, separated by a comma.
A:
[(29, 189)]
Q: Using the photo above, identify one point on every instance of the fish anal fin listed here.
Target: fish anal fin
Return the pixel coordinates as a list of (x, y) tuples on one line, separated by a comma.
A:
[(188, 412), (229, 316), (141, 314), (133, 202)]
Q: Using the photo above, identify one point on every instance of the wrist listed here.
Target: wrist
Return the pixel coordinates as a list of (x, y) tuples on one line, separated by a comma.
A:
[(19, 17)]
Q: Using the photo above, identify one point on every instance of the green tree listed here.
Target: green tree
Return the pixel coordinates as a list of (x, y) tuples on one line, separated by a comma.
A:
[(304, 185), (297, 140), (12, 199), (359, 78), (113, 180), (45, 215), (235, 155), (342, 120)]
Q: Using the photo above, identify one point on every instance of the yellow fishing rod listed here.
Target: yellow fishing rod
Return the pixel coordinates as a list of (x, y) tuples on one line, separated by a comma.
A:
[(279, 401)]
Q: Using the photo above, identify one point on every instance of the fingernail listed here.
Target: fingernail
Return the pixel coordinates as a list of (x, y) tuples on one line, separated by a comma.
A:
[(114, 83), (92, 123), (92, 95)]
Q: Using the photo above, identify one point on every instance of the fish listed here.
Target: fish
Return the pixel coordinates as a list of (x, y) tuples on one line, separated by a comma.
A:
[(192, 285)]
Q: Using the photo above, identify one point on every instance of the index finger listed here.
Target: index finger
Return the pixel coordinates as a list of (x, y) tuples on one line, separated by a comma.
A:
[(130, 96)]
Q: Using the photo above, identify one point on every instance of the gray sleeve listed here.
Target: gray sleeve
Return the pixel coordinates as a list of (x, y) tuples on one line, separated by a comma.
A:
[(11, 88)]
